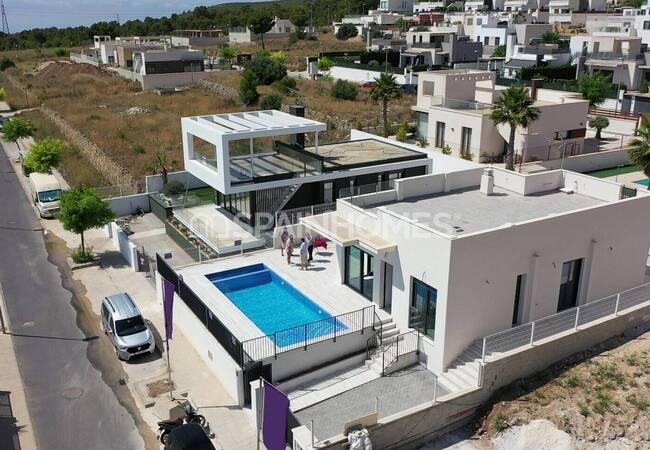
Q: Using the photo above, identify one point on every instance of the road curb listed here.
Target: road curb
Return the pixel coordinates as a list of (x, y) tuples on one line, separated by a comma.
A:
[(5, 327)]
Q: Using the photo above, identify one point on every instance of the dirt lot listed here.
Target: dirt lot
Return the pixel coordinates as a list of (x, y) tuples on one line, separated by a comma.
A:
[(601, 395)]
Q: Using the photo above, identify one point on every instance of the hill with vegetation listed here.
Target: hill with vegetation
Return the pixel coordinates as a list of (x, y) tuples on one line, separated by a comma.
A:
[(319, 12)]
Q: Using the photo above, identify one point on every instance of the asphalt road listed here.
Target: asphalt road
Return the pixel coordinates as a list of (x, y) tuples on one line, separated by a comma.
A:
[(70, 375)]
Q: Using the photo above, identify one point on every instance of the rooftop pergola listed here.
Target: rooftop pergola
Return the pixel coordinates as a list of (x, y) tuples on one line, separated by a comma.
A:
[(244, 125)]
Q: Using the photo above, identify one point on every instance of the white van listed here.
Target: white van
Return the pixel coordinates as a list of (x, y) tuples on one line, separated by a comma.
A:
[(46, 193)]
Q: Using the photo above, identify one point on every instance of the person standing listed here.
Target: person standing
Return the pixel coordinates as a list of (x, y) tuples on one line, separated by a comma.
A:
[(310, 247), (289, 248), (304, 254), (284, 236)]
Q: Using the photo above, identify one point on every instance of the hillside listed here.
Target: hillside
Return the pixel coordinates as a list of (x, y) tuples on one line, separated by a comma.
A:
[(323, 12)]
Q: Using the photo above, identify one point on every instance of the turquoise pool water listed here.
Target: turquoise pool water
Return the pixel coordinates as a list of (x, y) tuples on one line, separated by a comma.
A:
[(274, 305), (644, 182)]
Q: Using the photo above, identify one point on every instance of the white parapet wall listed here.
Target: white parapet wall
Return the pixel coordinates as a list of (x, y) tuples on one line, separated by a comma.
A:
[(126, 248), (363, 75)]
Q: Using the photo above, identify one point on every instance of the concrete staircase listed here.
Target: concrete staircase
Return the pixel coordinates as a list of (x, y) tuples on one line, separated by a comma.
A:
[(463, 373), (389, 335)]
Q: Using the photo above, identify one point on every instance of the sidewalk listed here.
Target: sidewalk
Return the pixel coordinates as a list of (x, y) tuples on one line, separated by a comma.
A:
[(11, 382)]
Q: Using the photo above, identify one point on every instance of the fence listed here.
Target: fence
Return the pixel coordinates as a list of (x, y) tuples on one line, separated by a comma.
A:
[(363, 189), (292, 216), (116, 190), (406, 343), (302, 336), (564, 321)]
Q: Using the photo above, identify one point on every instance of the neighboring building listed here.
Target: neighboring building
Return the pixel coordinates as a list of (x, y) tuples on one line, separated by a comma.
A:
[(163, 69), (374, 18), (402, 6), (439, 46), (199, 38), (263, 162), (524, 48), (620, 57), (453, 108), (420, 7), (243, 35)]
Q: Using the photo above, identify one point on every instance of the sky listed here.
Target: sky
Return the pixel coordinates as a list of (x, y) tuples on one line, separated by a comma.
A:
[(26, 14)]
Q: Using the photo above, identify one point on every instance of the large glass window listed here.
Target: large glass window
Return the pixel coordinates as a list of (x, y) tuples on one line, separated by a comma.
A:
[(237, 204), (423, 308), (359, 270), (519, 293), (440, 134), (569, 284)]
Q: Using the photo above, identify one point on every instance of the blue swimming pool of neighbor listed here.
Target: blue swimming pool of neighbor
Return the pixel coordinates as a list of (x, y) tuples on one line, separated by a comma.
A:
[(274, 305)]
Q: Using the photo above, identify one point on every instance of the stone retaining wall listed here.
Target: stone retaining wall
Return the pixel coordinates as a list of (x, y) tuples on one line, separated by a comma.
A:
[(336, 122), (109, 168)]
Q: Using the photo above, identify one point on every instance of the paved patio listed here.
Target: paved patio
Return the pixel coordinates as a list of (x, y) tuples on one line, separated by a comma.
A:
[(397, 392)]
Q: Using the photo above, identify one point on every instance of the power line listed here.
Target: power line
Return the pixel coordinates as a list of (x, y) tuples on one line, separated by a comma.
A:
[(5, 23)]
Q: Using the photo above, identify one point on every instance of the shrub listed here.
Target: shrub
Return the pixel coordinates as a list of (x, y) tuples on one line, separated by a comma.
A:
[(278, 56), (466, 155), (608, 375), (174, 188), (344, 90), (80, 256), (500, 422), (138, 149), (285, 85), (266, 70), (644, 87), (6, 63), (573, 381), (60, 52), (325, 64), (603, 403), (499, 52), (402, 132), (583, 409), (641, 403), (248, 88), (446, 150), (346, 31), (271, 101), (423, 142)]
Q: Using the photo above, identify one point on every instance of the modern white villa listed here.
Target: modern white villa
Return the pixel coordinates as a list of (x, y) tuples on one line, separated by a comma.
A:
[(429, 296), (264, 162)]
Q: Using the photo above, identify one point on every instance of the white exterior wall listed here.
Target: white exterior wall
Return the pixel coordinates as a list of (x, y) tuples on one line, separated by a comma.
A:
[(362, 75), (492, 33), (484, 267)]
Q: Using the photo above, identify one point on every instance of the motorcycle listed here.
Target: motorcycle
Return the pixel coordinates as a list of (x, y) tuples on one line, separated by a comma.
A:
[(166, 426)]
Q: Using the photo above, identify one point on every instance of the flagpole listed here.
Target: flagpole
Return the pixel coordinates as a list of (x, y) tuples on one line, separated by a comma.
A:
[(261, 415), (169, 373)]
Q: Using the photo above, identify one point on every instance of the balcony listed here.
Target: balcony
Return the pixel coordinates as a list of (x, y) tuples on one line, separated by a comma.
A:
[(461, 105)]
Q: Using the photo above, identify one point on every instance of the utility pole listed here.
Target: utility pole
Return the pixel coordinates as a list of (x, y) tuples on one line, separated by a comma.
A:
[(5, 23)]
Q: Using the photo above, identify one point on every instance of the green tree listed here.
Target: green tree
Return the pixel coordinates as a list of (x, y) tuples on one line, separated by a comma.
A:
[(83, 209), (300, 18), (346, 31), (644, 87), (423, 141), (639, 151), (325, 64), (515, 109), (159, 165), (3, 93), (228, 52), (261, 23), (403, 25), (279, 56), (16, 128), (385, 91), (271, 101), (499, 52), (248, 88), (266, 70), (594, 88), (44, 155), (599, 123)]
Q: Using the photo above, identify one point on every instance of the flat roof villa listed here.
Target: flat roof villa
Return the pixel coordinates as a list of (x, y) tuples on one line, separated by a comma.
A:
[(429, 295), (262, 164)]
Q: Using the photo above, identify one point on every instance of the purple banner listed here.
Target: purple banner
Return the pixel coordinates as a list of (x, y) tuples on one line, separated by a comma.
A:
[(274, 422), (168, 306)]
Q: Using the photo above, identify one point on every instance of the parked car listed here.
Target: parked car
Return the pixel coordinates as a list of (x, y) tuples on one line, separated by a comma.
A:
[(409, 88), (45, 193), (368, 84), (190, 436), (125, 326)]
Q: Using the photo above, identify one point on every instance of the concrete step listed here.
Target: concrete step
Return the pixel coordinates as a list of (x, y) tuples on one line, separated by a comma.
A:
[(389, 333)]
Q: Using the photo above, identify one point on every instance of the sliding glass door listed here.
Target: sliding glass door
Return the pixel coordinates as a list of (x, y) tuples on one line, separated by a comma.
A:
[(423, 308), (359, 270), (569, 284)]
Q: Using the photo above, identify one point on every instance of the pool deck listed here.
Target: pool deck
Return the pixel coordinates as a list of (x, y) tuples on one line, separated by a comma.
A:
[(321, 283)]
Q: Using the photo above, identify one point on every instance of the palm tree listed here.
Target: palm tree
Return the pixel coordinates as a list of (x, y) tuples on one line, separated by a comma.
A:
[(384, 91), (515, 108), (639, 150)]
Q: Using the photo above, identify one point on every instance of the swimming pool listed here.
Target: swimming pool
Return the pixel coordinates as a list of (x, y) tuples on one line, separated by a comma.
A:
[(274, 305)]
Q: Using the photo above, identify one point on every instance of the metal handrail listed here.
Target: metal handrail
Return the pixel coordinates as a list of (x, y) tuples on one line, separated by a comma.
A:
[(597, 310), (262, 347), (400, 337)]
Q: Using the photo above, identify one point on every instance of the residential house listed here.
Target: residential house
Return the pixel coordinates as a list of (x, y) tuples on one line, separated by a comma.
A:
[(440, 45), (453, 109)]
